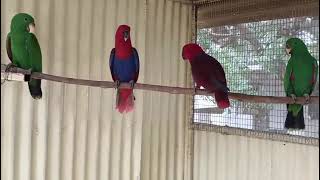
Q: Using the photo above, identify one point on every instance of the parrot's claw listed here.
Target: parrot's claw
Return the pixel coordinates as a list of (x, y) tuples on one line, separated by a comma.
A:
[(132, 83), (195, 90), (294, 97), (9, 67), (117, 84), (30, 71), (307, 98)]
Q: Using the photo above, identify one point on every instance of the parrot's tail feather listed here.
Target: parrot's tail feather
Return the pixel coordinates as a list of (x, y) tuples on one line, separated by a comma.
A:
[(222, 99), (35, 89), (125, 100), (295, 122)]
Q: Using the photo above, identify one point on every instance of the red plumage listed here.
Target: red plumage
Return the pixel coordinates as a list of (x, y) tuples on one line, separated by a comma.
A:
[(123, 47), (124, 66), (208, 73), (125, 100)]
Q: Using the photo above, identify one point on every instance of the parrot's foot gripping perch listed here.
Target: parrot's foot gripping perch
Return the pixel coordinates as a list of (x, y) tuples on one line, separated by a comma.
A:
[(294, 98), (6, 72), (195, 90), (9, 67), (307, 98), (132, 83), (117, 84)]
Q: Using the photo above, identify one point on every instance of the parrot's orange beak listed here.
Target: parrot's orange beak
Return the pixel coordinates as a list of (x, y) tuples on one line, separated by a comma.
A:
[(32, 28), (288, 49)]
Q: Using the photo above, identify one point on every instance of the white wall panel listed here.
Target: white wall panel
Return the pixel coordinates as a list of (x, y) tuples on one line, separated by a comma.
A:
[(165, 116), (229, 157)]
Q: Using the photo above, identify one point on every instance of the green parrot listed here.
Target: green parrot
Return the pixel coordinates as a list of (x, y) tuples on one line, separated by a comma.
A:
[(299, 80), (24, 50)]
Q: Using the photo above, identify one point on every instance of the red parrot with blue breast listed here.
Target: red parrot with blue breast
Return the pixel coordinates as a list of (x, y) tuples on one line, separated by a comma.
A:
[(124, 66), (208, 73)]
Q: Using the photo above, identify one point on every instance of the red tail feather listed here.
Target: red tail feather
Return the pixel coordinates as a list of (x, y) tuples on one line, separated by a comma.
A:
[(222, 99), (125, 100)]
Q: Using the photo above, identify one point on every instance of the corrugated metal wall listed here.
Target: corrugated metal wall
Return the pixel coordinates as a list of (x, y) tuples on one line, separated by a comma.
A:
[(229, 157), (164, 121), (74, 132)]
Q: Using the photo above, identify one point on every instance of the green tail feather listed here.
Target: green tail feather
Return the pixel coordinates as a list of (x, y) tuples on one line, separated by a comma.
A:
[(295, 119), (35, 88), (295, 108)]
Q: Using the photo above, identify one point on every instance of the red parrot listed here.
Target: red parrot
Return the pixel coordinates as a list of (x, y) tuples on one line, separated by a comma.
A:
[(208, 73), (124, 66)]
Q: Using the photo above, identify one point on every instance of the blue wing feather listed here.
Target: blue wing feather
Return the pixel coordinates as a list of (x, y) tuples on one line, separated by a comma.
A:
[(137, 63), (124, 70), (111, 63)]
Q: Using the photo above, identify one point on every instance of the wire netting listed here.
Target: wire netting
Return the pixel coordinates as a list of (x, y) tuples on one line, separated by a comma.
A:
[(254, 59)]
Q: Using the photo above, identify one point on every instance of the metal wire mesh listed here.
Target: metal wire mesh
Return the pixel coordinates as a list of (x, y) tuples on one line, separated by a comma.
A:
[(253, 56)]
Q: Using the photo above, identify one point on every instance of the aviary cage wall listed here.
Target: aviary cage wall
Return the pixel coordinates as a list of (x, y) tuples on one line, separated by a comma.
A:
[(248, 38), (247, 141)]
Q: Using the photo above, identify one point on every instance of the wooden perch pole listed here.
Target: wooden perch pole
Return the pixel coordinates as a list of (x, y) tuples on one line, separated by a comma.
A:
[(158, 88)]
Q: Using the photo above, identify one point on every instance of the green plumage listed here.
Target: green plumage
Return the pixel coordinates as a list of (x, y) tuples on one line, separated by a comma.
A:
[(299, 80), (24, 50)]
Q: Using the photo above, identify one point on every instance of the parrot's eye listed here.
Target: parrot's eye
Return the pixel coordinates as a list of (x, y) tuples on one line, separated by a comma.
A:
[(287, 46), (26, 19)]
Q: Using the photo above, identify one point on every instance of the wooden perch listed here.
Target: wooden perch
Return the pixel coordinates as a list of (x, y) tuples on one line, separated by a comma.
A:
[(167, 89)]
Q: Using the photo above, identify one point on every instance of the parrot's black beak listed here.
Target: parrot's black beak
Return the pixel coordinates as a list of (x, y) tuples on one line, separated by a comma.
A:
[(126, 35), (183, 56)]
